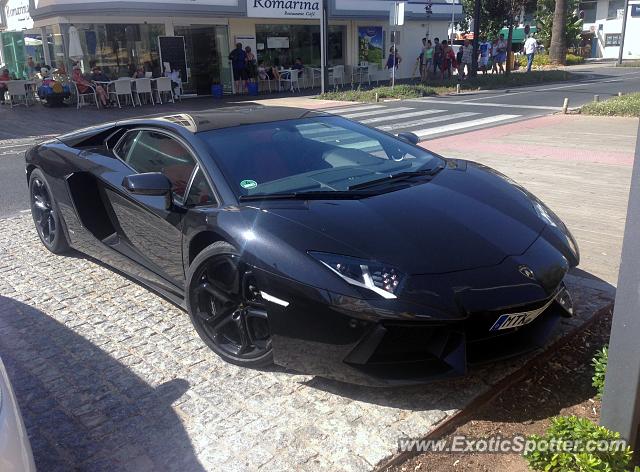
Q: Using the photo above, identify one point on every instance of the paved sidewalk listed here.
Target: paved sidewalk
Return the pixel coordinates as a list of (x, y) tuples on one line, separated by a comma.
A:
[(579, 165), (111, 377)]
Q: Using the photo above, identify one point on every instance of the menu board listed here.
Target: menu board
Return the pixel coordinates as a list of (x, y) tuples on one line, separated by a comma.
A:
[(172, 51), (276, 42)]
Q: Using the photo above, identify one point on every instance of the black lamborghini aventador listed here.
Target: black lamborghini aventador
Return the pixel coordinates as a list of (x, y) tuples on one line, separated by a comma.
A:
[(311, 241)]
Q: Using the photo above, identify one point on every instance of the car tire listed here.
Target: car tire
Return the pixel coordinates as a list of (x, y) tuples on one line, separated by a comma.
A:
[(226, 308), (46, 215)]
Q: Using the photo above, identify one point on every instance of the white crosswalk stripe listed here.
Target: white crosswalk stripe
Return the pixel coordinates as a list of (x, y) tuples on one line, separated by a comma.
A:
[(376, 112), (422, 133), (433, 119), (340, 110), (412, 114)]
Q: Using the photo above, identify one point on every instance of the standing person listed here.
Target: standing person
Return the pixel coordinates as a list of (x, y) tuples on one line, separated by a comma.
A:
[(251, 65), (238, 60), (448, 58), (421, 57), (393, 61), (501, 57), (437, 56), (530, 46), (467, 55), (485, 50), (428, 60), (494, 56), (4, 78)]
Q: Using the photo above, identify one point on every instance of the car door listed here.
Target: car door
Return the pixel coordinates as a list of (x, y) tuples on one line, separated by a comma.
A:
[(153, 230)]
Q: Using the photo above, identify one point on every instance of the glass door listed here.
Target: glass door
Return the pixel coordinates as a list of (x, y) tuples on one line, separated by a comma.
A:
[(207, 49)]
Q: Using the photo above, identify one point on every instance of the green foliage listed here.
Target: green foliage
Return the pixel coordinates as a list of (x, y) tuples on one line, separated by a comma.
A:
[(441, 87), (494, 16), (599, 363), (627, 105), (542, 60), (573, 60), (561, 458), (399, 91)]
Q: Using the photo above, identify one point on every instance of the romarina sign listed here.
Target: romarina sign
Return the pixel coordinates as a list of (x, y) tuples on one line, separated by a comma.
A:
[(307, 9)]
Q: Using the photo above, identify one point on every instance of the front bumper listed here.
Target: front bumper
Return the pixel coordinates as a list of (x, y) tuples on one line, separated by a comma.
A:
[(439, 326)]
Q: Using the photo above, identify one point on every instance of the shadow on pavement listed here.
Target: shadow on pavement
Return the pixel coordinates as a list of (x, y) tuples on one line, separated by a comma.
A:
[(83, 409)]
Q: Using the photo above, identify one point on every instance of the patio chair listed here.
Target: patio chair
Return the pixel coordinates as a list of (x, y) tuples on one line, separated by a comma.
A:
[(292, 78), (18, 92), (336, 74), (122, 88), (163, 86), (262, 81), (143, 87), (81, 98)]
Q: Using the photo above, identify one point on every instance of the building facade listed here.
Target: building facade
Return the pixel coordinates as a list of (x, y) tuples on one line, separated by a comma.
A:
[(121, 35), (603, 23)]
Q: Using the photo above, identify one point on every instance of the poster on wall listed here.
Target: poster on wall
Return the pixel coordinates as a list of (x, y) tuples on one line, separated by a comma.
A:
[(370, 45)]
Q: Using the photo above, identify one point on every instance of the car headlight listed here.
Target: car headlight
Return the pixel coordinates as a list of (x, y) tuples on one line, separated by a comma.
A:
[(376, 277)]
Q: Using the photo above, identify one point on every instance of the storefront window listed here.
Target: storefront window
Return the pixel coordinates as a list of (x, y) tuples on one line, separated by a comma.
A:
[(588, 10), (303, 41), (120, 48), (207, 48)]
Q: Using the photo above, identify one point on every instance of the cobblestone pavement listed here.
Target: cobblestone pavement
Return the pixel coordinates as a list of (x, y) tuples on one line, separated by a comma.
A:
[(111, 377)]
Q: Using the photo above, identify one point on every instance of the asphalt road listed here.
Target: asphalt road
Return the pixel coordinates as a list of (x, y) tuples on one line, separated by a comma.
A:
[(428, 117)]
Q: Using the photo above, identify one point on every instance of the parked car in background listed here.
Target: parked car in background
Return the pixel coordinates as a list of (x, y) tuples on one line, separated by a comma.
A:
[(15, 449)]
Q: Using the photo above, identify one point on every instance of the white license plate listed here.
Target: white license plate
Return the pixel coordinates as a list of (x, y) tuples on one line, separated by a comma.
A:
[(514, 320)]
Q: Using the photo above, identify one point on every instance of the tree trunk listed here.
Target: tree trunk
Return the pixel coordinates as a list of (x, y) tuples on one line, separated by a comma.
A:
[(509, 64), (558, 48)]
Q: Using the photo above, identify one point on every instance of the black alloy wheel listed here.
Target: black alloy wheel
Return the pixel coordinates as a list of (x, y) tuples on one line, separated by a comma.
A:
[(227, 309), (45, 215)]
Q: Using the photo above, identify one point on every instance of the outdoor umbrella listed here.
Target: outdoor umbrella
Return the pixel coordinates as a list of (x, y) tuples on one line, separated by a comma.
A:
[(75, 48)]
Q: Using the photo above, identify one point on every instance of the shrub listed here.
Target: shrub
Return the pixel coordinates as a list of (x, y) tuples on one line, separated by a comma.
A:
[(399, 91), (599, 364), (573, 60), (543, 457), (626, 105)]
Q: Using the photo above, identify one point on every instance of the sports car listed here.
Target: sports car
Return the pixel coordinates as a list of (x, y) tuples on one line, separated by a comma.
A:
[(307, 240)]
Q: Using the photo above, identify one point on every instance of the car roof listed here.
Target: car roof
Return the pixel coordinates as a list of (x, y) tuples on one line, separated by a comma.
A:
[(234, 116)]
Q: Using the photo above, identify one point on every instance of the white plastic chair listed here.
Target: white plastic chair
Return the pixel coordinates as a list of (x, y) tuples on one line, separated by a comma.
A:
[(81, 98), (122, 87), (262, 81), (163, 85), (292, 78), (17, 89), (143, 87), (336, 74)]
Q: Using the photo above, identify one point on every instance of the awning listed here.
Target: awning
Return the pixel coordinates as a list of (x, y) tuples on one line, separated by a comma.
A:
[(518, 33)]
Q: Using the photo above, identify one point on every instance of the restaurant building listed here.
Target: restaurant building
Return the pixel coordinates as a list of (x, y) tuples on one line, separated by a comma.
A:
[(120, 35)]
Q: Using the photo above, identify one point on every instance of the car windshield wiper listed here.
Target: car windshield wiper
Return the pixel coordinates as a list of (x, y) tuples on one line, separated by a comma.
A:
[(396, 177), (309, 195)]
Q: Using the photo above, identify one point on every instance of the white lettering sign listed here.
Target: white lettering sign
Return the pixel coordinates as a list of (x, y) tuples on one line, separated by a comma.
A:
[(284, 8), (17, 14)]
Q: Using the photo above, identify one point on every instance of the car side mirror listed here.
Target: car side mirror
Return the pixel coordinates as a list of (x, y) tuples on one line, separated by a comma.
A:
[(409, 137), (149, 184)]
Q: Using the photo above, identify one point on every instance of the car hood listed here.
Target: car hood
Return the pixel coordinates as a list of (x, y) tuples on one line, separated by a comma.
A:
[(466, 217)]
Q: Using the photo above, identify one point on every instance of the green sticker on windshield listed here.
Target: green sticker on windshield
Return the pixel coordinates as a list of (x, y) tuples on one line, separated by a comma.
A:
[(248, 184)]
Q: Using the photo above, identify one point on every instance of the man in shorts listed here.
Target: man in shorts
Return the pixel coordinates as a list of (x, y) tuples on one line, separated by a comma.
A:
[(484, 48), (238, 60), (501, 56), (438, 56)]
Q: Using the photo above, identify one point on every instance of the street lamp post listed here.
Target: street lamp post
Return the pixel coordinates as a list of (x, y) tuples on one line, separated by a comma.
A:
[(624, 31), (428, 9)]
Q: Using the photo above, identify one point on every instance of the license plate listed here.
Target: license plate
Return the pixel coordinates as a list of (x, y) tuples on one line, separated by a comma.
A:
[(514, 320)]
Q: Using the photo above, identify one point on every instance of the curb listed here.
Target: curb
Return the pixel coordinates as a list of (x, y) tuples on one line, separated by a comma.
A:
[(457, 419)]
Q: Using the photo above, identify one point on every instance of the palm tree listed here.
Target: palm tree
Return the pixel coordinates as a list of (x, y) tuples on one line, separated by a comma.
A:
[(558, 49)]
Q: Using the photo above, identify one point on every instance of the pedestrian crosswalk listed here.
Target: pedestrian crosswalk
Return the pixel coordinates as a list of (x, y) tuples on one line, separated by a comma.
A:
[(425, 123)]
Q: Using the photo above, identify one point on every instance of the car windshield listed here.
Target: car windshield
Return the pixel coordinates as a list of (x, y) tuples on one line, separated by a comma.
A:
[(312, 155)]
